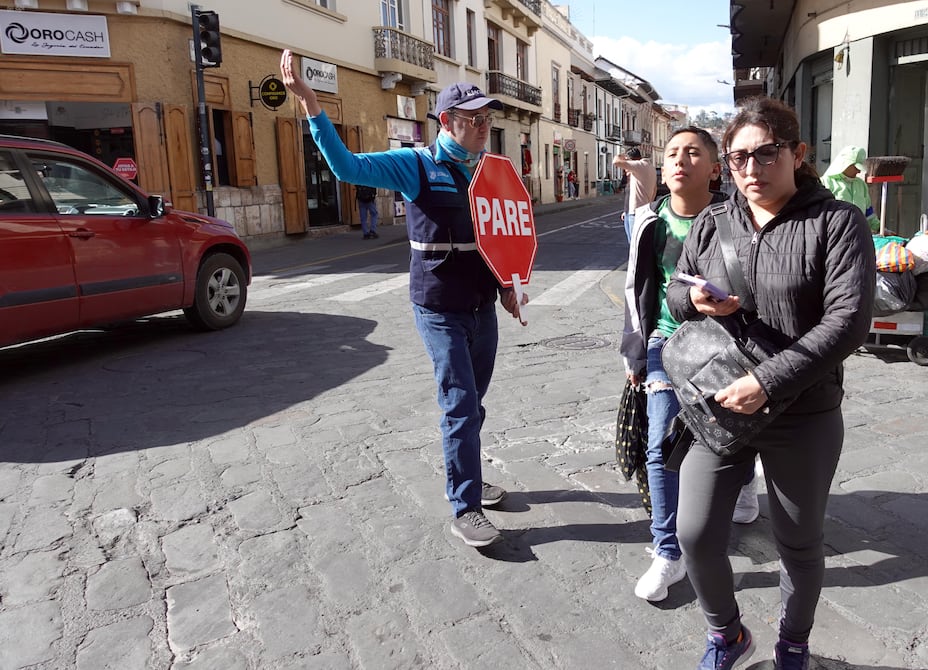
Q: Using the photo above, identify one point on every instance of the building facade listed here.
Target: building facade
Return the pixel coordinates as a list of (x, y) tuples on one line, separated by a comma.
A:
[(117, 80), (857, 74)]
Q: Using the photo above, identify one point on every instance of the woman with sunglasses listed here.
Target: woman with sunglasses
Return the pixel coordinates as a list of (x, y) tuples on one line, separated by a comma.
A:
[(809, 261), (451, 287)]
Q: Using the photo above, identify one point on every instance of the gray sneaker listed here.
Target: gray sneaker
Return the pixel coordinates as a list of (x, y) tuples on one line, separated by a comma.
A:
[(475, 529), (491, 495)]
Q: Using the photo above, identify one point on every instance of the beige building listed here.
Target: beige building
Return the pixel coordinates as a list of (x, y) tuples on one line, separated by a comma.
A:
[(564, 143), (120, 84)]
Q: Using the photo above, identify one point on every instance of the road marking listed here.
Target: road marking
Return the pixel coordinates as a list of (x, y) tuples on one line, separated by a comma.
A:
[(569, 289), (372, 290), (321, 280)]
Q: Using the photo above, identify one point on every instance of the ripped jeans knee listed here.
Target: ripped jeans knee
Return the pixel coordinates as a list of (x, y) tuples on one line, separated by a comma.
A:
[(656, 386)]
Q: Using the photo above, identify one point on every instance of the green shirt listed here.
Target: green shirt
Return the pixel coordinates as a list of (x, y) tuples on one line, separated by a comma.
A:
[(669, 234)]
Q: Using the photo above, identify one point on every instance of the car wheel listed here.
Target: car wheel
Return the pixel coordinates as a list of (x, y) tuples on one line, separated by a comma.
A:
[(220, 293)]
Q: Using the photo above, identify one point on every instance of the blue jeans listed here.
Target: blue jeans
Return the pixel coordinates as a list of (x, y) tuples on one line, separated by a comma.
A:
[(368, 210), (664, 484), (629, 224), (462, 346)]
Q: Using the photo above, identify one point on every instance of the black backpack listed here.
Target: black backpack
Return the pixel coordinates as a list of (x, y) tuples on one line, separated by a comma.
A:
[(367, 193)]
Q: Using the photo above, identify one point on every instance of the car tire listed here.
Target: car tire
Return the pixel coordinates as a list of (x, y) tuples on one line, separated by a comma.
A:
[(220, 295)]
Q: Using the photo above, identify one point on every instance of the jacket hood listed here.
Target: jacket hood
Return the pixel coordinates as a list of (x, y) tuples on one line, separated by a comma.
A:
[(848, 156)]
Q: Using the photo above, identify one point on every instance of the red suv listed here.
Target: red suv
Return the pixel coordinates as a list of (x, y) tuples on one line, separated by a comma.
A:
[(80, 246)]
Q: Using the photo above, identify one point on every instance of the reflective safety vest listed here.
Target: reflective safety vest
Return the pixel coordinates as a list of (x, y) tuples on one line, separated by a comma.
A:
[(446, 272)]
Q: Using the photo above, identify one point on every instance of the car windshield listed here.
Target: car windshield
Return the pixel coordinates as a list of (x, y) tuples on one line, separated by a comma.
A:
[(77, 190)]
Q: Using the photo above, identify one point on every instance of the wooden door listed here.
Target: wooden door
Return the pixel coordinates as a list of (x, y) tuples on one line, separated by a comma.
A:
[(291, 177), (243, 150), (180, 158), (355, 143), (150, 151)]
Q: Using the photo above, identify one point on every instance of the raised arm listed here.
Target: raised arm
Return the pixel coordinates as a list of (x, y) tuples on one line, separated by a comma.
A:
[(293, 81)]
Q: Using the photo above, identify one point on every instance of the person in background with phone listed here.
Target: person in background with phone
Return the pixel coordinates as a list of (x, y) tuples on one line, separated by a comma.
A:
[(642, 185), (452, 289), (809, 259), (691, 162)]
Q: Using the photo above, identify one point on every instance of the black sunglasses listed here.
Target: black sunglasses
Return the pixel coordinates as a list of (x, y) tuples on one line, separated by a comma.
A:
[(765, 154)]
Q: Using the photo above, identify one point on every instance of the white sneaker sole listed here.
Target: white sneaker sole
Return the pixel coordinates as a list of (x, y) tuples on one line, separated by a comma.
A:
[(475, 543)]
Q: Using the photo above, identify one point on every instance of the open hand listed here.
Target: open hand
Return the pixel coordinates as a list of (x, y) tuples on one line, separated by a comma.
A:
[(296, 85)]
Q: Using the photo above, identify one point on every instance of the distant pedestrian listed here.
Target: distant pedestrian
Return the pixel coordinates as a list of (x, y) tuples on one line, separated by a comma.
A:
[(809, 260), (451, 287), (642, 185), (571, 184), (367, 208)]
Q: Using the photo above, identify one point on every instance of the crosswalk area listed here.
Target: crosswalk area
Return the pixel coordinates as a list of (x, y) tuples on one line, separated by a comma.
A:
[(553, 288)]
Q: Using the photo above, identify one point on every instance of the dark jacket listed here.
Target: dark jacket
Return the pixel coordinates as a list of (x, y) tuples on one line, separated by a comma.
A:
[(812, 270)]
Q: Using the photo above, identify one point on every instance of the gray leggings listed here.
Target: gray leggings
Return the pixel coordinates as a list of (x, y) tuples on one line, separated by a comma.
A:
[(800, 454)]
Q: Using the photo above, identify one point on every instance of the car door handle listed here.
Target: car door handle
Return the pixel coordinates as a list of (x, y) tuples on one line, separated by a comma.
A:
[(82, 233)]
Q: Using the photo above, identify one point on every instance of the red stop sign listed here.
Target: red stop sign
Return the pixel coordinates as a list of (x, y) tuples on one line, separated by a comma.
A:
[(126, 168), (504, 226)]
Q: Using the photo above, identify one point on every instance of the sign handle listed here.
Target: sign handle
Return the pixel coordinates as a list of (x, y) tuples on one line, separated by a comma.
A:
[(517, 286)]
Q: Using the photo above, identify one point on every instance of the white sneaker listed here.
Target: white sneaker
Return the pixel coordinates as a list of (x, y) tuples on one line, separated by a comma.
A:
[(747, 508), (663, 572)]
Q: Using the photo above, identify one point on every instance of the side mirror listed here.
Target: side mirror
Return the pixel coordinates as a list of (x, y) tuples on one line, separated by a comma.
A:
[(156, 207)]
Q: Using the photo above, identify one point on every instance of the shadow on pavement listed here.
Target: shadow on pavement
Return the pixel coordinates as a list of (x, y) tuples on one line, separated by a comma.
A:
[(156, 382)]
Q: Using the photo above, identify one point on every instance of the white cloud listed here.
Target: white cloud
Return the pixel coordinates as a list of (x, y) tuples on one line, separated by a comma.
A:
[(682, 74)]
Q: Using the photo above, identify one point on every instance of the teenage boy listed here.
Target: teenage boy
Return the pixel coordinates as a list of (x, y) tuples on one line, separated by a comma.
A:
[(691, 162)]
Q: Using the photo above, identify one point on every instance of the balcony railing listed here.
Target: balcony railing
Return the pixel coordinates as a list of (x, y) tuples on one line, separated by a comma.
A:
[(588, 121), (633, 137), (557, 111), (502, 84), (573, 117), (614, 132), (394, 44), (534, 5)]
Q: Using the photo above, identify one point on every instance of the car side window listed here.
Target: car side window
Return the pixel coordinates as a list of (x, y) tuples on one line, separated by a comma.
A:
[(14, 194), (77, 190)]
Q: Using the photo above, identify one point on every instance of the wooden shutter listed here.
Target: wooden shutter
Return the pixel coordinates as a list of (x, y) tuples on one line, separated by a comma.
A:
[(355, 143), (150, 152), (242, 161), (291, 174), (180, 157)]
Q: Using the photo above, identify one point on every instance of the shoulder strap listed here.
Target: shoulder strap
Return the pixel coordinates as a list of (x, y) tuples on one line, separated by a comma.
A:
[(732, 264)]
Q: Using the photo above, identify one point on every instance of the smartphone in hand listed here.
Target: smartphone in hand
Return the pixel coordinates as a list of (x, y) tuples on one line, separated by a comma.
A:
[(704, 284)]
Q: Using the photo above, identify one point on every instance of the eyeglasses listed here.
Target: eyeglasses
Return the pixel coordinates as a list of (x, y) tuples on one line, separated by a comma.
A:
[(766, 154), (477, 121)]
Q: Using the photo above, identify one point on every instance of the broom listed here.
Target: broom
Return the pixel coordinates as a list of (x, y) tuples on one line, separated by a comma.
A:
[(883, 170)]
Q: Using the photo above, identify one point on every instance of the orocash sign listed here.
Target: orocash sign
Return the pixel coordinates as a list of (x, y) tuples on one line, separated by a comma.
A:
[(41, 34), (320, 75)]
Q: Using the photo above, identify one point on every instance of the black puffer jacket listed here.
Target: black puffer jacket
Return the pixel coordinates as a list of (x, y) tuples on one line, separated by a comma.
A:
[(812, 270)]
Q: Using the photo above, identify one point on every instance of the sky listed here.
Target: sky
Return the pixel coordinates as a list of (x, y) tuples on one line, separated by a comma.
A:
[(677, 45)]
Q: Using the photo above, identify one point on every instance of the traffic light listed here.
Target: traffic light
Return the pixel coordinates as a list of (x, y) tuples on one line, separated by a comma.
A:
[(210, 47)]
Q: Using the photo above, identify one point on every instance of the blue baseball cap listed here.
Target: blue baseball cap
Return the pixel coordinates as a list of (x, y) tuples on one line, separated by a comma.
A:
[(463, 95)]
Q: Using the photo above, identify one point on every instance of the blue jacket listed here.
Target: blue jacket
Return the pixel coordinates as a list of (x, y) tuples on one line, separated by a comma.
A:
[(446, 272)]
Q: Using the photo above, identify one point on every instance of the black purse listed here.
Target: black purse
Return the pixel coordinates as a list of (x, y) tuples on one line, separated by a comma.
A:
[(704, 356)]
